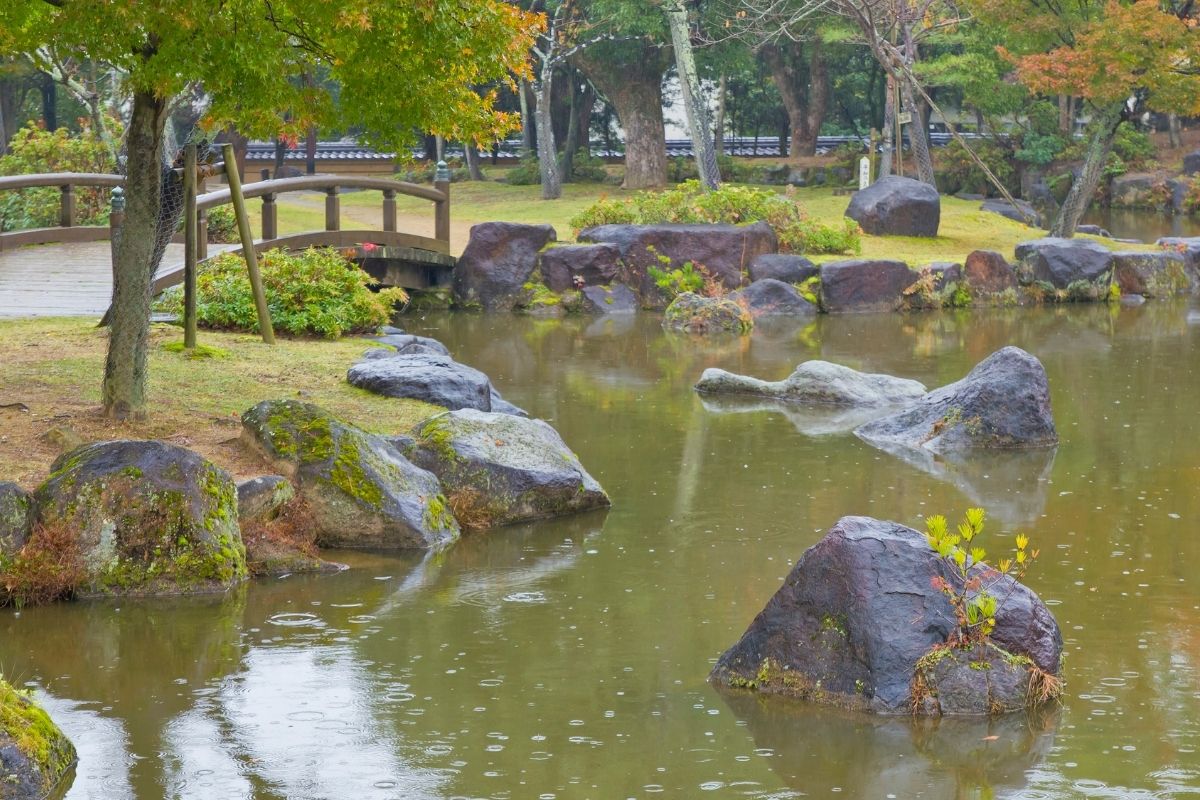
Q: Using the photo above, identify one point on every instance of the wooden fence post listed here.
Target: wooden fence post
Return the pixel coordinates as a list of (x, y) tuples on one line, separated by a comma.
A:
[(333, 209), (66, 216), (270, 218), (239, 208), (389, 210), (189, 247)]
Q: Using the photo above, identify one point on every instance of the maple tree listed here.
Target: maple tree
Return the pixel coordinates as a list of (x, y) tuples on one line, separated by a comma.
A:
[(393, 66)]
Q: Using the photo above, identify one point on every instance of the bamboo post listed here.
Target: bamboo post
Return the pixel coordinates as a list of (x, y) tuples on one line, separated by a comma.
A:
[(441, 208), (239, 209), (189, 247)]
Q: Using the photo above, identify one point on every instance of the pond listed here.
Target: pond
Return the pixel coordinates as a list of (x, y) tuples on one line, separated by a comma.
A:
[(1142, 224), (568, 659)]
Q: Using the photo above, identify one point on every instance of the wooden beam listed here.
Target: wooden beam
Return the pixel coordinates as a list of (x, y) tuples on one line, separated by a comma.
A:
[(256, 284)]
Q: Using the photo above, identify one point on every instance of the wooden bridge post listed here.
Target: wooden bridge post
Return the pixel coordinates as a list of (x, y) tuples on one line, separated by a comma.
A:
[(201, 222), (333, 209), (239, 209), (189, 247), (270, 218), (66, 216), (441, 208), (389, 210)]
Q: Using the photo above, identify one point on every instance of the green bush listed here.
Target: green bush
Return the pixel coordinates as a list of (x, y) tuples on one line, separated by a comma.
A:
[(222, 225), (1133, 146), (524, 174), (587, 168), (317, 292), (962, 174), (33, 150), (736, 205)]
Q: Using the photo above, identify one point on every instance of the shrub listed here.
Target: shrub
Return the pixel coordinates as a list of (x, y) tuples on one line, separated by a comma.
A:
[(961, 171), (1133, 146), (524, 174), (586, 168), (316, 292), (33, 150), (48, 568), (222, 225), (729, 204)]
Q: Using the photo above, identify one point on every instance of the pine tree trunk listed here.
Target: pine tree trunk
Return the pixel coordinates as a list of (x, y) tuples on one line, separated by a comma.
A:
[(694, 104), (547, 157), (918, 135), (1105, 123), (124, 390)]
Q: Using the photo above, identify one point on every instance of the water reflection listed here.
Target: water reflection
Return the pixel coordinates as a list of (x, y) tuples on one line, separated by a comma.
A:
[(807, 420)]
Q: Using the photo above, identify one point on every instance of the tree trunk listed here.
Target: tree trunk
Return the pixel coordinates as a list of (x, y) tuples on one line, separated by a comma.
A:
[(547, 157), (566, 164), (694, 103), (526, 121), (310, 151), (1064, 114), (1174, 132), (918, 135), (124, 390), (49, 91), (471, 152), (889, 128), (281, 148), (1105, 123), (803, 88), (719, 124), (630, 76)]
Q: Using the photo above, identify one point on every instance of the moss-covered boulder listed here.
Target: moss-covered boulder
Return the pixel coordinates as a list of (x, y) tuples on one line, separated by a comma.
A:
[(146, 518), (16, 519), (695, 314), (34, 754), (499, 469), (361, 491)]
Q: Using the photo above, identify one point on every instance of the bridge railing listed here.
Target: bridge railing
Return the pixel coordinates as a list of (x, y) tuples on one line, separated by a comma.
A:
[(68, 230)]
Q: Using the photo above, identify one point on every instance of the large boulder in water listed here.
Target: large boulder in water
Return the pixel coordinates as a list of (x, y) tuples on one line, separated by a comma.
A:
[(34, 754), (695, 314), (499, 469), (1063, 262), (361, 491), (147, 518), (816, 383), (858, 615), (771, 298), (1004, 403), (496, 263), (1160, 274), (896, 206), (16, 519), (864, 285), (987, 273)]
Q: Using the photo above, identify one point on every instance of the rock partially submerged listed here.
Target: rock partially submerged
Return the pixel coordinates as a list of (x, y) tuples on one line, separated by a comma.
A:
[(498, 469), (1003, 403), (496, 263), (858, 623), (817, 383), (615, 299), (864, 285), (361, 491), (147, 518), (35, 755), (431, 378), (16, 519), (768, 297), (1160, 274), (1060, 263), (695, 314)]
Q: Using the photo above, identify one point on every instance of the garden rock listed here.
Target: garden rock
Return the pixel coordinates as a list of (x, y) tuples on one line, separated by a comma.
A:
[(498, 260), (427, 377), (988, 272), (498, 469), (1062, 262), (149, 518), (1191, 163), (410, 343), (816, 383), (864, 285), (726, 251), (1022, 211), (783, 267), (771, 298), (16, 519), (896, 206), (1151, 274), (1137, 190), (615, 299), (1188, 247), (695, 314), (361, 491), (1003, 403), (859, 611), (35, 755), (1093, 230), (262, 498), (566, 266)]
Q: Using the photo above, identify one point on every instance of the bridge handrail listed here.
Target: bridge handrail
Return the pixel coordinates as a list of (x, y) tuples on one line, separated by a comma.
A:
[(13, 182), (310, 183)]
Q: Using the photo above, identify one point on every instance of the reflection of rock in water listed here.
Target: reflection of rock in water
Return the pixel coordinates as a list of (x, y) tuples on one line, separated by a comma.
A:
[(1009, 484), (611, 325), (808, 420), (815, 749)]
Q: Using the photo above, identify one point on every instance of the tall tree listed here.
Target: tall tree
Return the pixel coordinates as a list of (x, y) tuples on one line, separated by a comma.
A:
[(250, 55), (694, 103), (799, 72)]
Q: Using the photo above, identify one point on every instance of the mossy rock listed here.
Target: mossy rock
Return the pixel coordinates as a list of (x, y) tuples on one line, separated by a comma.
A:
[(361, 491), (35, 755), (981, 679), (695, 314), (16, 519), (148, 518), (499, 469)]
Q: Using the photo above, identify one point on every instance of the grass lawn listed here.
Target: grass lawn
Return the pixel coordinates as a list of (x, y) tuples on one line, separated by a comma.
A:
[(53, 368)]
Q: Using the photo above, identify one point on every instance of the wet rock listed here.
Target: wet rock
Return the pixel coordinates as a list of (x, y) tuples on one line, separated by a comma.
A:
[(361, 491), (864, 285), (1093, 230), (1160, 274), (502, 406), (63, 438), (859, 611), (980, 680), (809, 420), (988, 272), (1139, 190), (896, 206), (35, 755), (783, 267), (402, 343), (1022, 212), (1188, 247), (615, 299), (771, 298), (427, 377), (263, 497), (16, 519), (498, 469), (1062, 262), (695, 314), (725, 251), (1003, 403), (147, 517), (498, 260), (816, 383), (575, 266), (1191, 163)]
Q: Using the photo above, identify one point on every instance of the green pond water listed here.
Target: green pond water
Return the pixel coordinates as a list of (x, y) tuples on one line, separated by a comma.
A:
[(568, 659)]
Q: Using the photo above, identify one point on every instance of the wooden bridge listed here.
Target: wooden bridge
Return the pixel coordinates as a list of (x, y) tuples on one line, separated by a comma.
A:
[(66, 270)]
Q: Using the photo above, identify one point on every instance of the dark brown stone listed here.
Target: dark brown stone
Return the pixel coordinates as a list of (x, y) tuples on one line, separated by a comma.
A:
[(498, 260), (864, 285), (590, 264), (988, 272)]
